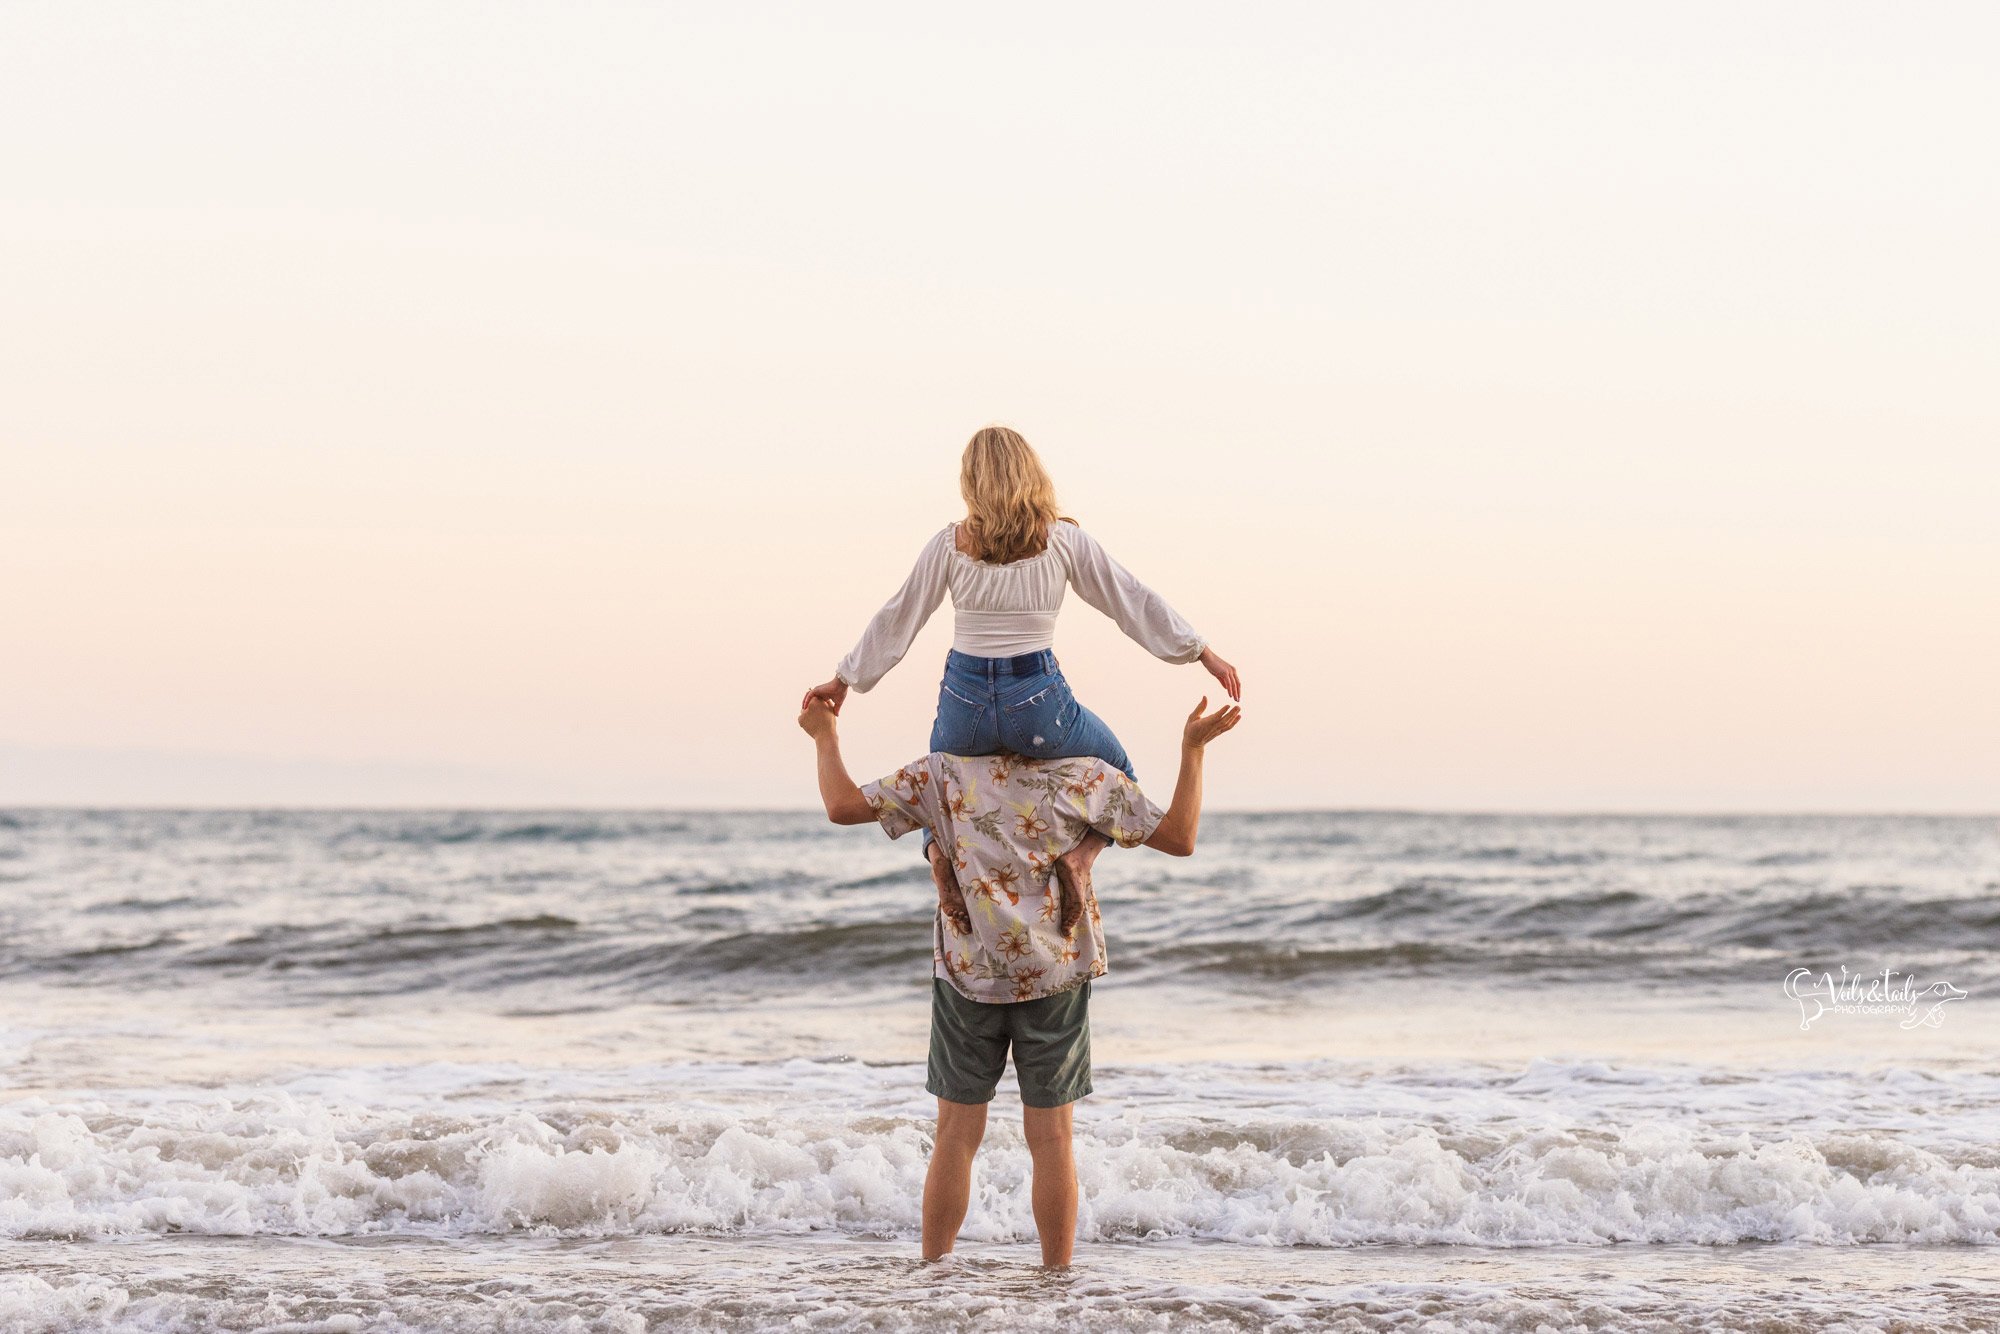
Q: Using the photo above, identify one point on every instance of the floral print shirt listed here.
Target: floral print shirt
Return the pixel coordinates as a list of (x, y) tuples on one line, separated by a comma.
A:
[(1006, 819)]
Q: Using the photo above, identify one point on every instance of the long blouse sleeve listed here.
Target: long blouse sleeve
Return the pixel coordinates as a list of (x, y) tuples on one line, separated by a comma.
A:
[(1140, 612), (890, 633)]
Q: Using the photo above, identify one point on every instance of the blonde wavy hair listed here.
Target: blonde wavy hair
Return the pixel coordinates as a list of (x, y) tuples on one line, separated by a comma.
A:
[(1010, 500)]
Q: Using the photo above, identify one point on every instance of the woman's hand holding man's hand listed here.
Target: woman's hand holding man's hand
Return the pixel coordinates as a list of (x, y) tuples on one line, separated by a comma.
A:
[(834, 692), (817, 718)]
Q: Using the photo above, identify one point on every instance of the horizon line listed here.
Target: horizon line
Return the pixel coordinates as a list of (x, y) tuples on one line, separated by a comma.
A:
[(299, 808)]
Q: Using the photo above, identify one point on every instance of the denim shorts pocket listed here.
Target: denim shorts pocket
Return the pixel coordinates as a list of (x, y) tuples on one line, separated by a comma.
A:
[(1038, 724), (956, 731)]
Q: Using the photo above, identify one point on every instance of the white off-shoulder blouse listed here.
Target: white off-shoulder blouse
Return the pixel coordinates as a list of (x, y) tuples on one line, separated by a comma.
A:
[(1000, 611)]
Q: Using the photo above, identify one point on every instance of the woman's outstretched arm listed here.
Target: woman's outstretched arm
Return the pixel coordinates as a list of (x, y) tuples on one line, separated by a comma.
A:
[(890, 633), (1140, 612)]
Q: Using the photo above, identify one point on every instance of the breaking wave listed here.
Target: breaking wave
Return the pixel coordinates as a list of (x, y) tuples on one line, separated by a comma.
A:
[(299, 1166)]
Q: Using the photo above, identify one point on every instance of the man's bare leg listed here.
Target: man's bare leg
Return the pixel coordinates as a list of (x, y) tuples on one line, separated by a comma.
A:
[(948, 1185), (1073, 876), (1048, 1133)]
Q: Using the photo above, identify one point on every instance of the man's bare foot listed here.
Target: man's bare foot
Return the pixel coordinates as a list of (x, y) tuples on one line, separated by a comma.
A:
[(951, 899), (1073, 878)]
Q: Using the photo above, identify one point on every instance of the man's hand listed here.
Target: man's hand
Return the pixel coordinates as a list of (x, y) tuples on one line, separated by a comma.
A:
[(818, 719), (1203, 727), (834, 692)]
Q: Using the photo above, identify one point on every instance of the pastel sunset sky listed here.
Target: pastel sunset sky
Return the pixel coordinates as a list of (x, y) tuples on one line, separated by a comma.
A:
[(1546, 406)]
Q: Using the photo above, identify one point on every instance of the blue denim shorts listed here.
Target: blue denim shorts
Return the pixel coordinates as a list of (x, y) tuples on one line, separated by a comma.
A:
[(987, 705)]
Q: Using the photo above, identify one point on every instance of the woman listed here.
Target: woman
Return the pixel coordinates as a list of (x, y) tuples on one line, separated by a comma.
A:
[(1006, 566)]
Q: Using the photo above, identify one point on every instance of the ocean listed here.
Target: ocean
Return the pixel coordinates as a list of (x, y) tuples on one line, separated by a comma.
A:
[(625, 1071)]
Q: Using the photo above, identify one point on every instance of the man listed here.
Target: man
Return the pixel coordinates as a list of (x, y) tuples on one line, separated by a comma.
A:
[(1011, 963)]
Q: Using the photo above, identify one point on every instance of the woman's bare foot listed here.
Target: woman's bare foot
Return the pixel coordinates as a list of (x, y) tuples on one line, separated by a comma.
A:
[(951, 899), (1073, 878)]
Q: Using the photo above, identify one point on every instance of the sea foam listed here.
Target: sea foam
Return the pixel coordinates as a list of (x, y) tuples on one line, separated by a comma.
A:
[(279, 1164)]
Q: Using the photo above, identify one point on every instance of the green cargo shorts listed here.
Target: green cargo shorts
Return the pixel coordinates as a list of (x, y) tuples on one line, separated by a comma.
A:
[(1050, 1038)]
